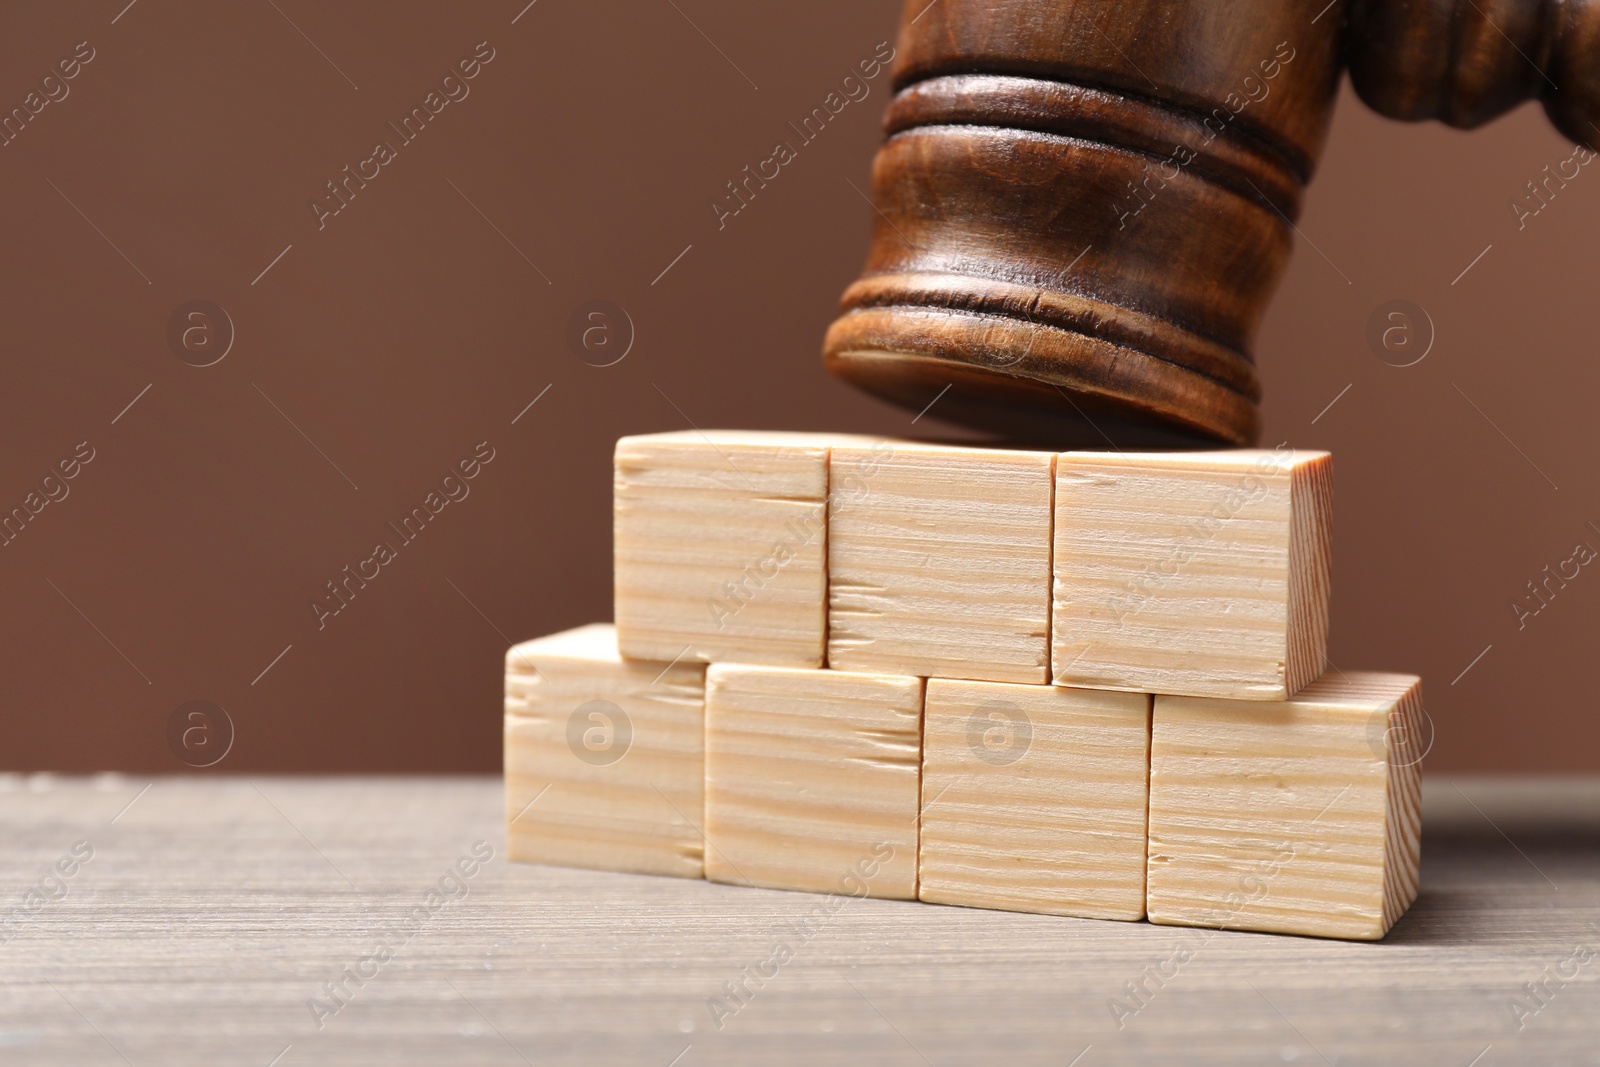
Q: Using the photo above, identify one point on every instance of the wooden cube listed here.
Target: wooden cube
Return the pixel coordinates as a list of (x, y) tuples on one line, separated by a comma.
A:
[(720, 543), (604, 757), (1192, 573), (1299, 817), (1034, 798), (939, 562), (812, 780)]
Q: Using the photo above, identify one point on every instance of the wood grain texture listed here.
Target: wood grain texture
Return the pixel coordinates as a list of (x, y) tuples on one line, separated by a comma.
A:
[(1034, 799), (939, 562), (1466, 62), (604, 757), (812, 780), (1200, 573), (1300, 817), (214, 907), (720, 542)]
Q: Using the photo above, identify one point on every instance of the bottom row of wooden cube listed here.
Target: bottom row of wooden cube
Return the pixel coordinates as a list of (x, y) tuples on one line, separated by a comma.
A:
[(1296, 817)]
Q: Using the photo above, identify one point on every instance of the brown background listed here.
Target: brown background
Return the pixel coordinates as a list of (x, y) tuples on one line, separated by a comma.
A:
[(408, 330)]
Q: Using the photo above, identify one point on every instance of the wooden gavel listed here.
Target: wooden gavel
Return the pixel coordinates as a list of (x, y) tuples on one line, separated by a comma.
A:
[(1083, 206)]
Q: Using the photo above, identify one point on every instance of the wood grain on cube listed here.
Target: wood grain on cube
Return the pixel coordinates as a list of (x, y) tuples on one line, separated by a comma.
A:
[(1198, 574), (939, 561), (1033, 798), (812, 780), (604, 757), (720, 544), (1298, 817)]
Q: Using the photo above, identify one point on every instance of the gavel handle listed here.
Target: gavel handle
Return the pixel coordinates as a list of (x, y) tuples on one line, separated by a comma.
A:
[(1465, 62)]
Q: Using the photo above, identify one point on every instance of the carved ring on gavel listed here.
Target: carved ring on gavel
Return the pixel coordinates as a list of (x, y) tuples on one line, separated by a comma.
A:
[(1083, 206)]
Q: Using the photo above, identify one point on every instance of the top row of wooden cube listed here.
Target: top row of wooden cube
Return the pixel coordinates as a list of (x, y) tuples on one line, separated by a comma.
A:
[(1185, 573)]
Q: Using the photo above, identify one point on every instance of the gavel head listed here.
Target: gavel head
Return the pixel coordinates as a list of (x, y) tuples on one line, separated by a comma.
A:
[(1083, 206)]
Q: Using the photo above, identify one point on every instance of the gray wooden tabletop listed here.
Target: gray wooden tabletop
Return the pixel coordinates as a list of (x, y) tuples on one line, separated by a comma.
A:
[(353, 921)]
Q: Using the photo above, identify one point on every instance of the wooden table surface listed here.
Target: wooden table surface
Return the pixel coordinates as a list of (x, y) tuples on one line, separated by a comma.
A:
[(213, 914)]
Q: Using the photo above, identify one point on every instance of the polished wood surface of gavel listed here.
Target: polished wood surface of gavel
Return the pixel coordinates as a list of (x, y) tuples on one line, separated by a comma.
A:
[(1083, 206)]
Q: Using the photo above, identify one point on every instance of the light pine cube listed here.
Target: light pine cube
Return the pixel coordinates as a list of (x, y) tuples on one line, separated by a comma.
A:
[(1295, 817), (604, 757), (1034, 798), (1192, 573), (812, 780), (939, 562), (720, 543)]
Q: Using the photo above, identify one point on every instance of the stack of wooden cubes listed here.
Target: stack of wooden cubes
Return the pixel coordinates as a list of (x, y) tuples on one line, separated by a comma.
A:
[(1081, 683)]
